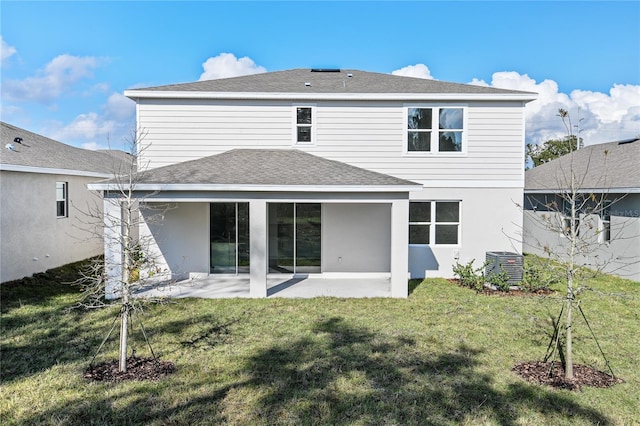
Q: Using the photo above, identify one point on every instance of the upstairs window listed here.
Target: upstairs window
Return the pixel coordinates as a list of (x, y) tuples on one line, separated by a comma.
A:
[(434, 222), (435, 130), (304, 120), (62, 209)]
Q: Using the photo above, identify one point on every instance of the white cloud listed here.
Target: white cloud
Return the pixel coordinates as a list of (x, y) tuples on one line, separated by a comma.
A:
[(600, 117), (58, 76), (418, 71), (119, 107), (6, 51), (93, 146), (227, 65), (84, 126), (110, 129)]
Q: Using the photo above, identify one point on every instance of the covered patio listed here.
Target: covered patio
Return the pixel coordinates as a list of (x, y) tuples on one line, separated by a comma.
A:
[(255, 215), (217, 287)]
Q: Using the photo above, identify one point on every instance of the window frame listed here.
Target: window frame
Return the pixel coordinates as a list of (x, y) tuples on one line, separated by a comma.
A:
[(64, 200), (433, 223), (435, 130), (295, 125), (604, 231)]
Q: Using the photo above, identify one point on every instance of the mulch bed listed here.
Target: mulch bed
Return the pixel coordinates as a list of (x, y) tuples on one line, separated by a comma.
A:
[(137, 369), (552, 374)]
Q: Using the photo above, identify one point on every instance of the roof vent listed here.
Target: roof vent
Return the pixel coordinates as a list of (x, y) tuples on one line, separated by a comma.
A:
[(325, 69), (17, 139), (349, 75), (307, 83), (10, 147)]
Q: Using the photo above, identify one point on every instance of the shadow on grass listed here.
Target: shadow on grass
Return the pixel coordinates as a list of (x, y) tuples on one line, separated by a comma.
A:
[(413, 284), (338, 374)]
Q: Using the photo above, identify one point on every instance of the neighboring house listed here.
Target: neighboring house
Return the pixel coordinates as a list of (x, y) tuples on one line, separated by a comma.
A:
[(608, 194), (331, 172), (44, 201)]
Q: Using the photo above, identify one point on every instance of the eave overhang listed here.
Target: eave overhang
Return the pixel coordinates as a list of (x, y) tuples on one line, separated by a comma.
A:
[(254, 188), (52, 171), (160, 94), (584, 191)]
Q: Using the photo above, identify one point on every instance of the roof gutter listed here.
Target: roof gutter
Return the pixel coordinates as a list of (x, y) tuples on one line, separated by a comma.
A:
[(635, 190), (50, 171), (161, 94), (106, 186)]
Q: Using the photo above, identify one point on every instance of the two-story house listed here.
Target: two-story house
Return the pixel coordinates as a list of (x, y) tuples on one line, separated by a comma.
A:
[(330, 172)]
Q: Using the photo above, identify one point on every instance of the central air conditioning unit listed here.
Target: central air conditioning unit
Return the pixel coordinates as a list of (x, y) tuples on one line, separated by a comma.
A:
[(511, 263)]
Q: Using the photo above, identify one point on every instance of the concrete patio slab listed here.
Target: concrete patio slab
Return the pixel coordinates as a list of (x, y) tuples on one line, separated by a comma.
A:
[(216, 287)]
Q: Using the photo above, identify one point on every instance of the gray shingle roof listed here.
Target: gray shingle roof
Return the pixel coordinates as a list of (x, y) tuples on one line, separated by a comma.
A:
[(39, 151), (601, 166), (285, 167), (293, 81)]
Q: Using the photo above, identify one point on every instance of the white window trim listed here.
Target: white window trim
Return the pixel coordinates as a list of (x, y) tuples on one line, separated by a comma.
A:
[(294, 124), (433, 223), (434, 146)]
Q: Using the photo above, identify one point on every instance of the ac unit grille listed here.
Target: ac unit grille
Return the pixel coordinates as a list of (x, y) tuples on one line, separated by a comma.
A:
[(511, 263)]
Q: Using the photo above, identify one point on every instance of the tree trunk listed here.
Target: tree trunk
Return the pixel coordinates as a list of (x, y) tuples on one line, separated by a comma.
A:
[(126, 273), (568, 369), (124, 335)]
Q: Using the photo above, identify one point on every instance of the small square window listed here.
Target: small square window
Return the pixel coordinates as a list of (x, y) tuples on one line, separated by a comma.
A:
[(304, 125), (444, 230)]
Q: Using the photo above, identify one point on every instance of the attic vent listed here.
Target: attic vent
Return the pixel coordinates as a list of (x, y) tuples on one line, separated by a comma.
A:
[(325, 70)]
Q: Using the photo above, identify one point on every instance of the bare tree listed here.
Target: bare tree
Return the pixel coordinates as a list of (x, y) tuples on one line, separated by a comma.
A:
[(569, 221), (130, 262)]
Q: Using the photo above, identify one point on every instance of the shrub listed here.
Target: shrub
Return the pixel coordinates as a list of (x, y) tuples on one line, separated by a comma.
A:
[(469, 276), (500, 280), (539, 274)]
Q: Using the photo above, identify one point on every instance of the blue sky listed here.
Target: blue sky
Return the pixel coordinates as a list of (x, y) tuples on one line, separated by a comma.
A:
[(65, 65)]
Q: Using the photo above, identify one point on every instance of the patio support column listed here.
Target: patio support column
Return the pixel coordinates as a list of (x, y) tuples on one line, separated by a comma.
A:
[(258, 248), (399, 248), (112, 247)]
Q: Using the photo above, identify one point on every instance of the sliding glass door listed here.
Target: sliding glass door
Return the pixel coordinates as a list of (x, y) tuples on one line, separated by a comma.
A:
[(295, 237), (229, 238)]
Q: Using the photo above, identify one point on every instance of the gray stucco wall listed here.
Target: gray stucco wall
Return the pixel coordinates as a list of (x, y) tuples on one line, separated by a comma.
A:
[(620, 256), (32, 238), (490, 220), (356, 238)]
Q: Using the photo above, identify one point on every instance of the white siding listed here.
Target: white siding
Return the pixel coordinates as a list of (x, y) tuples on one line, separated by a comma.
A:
[(368, 135)]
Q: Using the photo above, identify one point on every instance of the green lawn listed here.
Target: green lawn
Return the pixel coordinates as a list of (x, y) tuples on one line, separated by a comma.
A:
[(442, 356)]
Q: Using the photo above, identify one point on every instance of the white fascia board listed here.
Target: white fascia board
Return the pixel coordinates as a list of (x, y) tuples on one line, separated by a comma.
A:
[(473, 184), (584, 191), (160, 94), (49, 171), (259, 188)]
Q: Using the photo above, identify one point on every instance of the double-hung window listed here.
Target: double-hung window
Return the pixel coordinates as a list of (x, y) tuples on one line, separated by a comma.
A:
[(434, 222), (435, 130), (62, 200), (304, 132)]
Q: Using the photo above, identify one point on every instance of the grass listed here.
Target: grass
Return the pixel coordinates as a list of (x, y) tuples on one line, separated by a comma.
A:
[(443, 356)]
